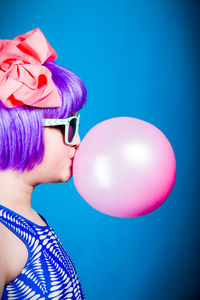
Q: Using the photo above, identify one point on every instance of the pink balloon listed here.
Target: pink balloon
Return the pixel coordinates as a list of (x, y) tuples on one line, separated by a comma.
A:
[(124, 167)]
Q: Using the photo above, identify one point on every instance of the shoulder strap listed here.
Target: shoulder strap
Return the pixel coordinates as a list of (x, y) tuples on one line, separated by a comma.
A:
[(26, 231), (15, 222)]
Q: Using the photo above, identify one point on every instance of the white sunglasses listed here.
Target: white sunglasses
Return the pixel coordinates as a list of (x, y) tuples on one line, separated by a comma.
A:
[(71, 126)]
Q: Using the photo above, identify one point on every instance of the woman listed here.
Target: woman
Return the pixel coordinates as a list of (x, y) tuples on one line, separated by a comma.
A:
[(39, 122)]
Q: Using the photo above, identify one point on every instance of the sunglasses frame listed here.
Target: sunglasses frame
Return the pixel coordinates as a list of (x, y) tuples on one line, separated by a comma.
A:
[(66, 122)]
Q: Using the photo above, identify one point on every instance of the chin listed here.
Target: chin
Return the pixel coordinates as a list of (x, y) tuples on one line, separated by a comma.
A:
[(66, 175)]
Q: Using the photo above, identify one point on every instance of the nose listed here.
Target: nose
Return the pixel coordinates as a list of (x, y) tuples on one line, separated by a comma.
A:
[(75, 145), (77, 141)]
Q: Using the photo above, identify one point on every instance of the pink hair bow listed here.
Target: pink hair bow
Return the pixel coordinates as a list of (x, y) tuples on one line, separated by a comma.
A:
[(23, 79)]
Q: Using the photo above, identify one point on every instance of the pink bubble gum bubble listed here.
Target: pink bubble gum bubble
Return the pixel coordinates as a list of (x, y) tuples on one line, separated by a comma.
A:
[(124, 167)]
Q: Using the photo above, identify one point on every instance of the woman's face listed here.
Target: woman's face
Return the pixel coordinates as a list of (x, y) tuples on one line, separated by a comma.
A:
[(58, 158)]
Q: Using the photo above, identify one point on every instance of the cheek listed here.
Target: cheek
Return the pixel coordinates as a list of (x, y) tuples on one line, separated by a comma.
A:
[(57, 153), (57, 156)]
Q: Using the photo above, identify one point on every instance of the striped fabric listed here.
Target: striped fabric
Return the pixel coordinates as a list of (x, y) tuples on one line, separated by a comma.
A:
[(49, 272)]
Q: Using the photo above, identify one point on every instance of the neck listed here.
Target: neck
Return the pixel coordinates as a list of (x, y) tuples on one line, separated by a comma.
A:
[(15, 190)]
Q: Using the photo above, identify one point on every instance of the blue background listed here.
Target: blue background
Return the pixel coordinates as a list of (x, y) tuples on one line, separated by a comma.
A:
[(138, 59)]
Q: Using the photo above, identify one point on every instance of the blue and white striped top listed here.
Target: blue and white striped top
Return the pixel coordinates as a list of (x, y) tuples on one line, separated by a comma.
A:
[(49, 272)]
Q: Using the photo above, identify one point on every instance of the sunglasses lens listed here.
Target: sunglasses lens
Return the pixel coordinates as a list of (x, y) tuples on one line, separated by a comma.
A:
[(72, 129)]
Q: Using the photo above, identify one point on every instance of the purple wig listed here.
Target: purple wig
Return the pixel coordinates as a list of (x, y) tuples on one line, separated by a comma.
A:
[(21, 130)]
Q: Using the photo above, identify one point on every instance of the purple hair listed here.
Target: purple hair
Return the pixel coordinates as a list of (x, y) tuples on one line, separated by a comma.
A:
[(21, 130)]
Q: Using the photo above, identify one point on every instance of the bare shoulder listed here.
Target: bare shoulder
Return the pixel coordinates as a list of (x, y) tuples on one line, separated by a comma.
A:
[(3, 259), (3, 244), (11, 262)]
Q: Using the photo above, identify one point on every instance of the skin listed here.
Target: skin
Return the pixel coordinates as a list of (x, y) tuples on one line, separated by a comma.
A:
[(17, 188)]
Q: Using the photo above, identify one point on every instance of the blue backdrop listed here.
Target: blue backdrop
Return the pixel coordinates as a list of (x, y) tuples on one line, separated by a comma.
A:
[(138, 59)]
